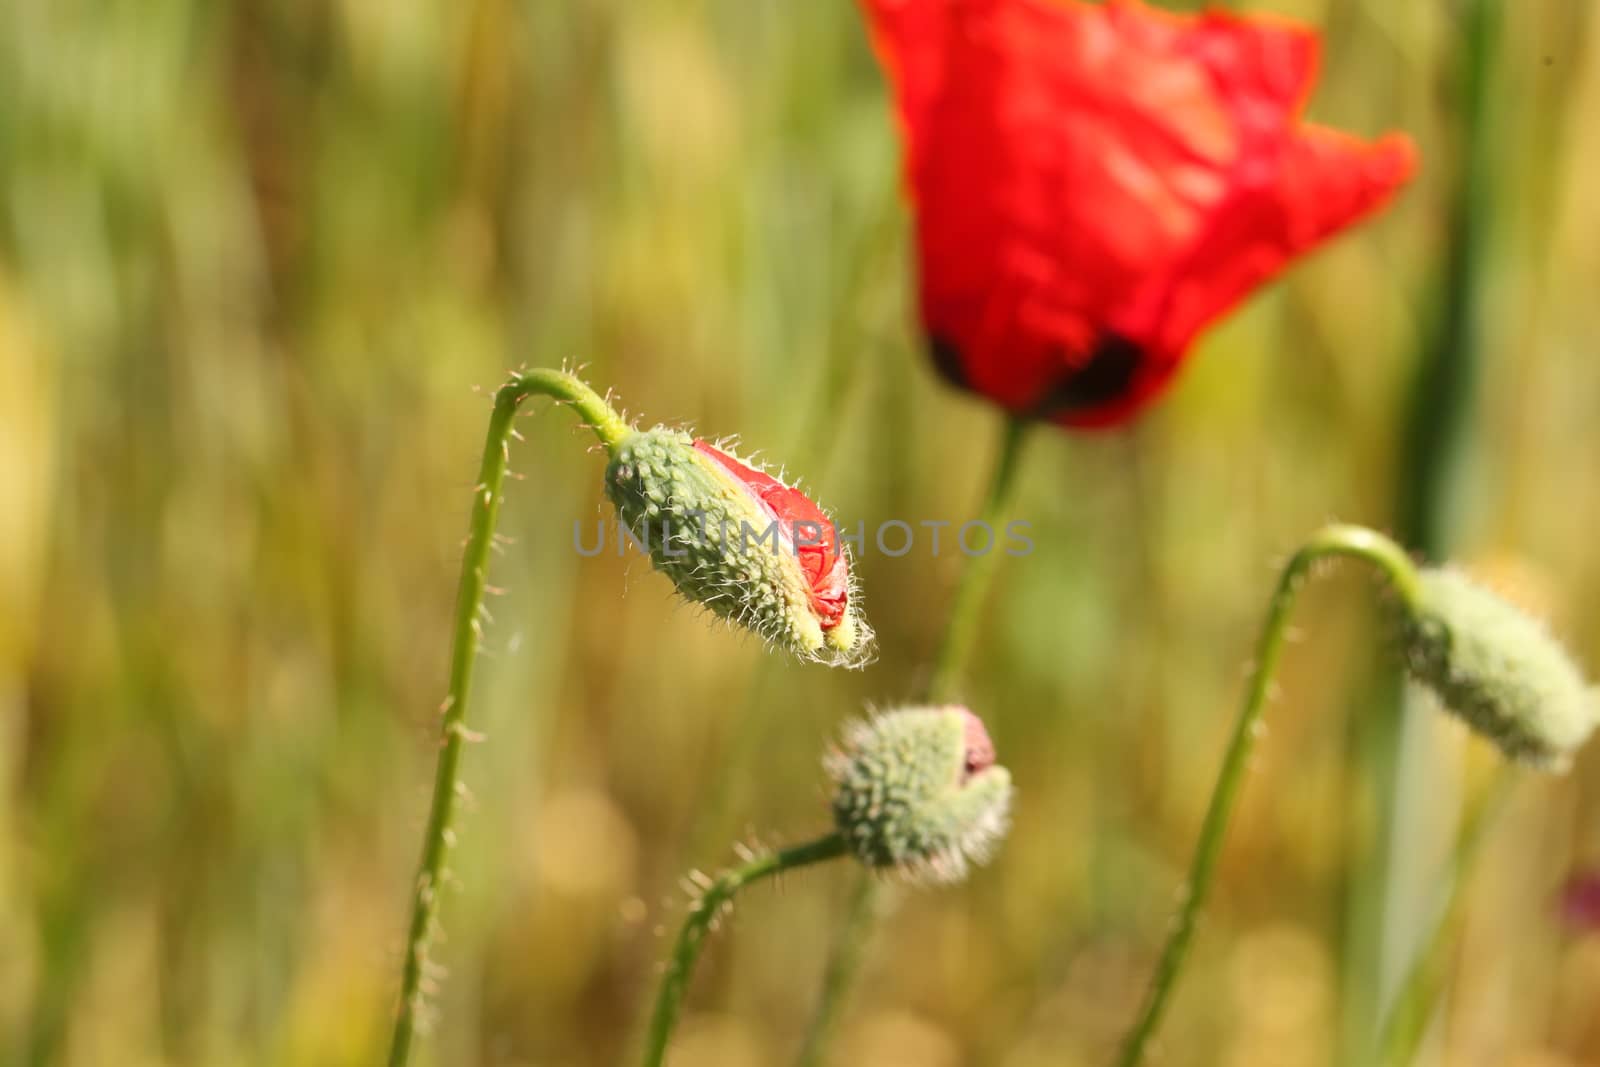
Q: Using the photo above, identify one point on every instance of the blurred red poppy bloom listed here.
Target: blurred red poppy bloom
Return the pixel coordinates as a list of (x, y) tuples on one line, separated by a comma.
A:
[(1094, 184), (805, 529)]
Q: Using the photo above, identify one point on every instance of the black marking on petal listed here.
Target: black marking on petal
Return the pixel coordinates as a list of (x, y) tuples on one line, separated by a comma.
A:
[(947, 360), (1106, 376)]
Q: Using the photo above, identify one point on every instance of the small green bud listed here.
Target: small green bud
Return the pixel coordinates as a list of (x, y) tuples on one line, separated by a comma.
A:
[(917, 792), (741, 543), (1499, 670)]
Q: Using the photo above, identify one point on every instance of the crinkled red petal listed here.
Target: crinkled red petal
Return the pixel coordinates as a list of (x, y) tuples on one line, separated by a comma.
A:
[(815, 541), (1084, 173)]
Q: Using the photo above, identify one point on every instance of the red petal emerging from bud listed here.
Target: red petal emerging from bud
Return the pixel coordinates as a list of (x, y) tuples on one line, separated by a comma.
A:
[(806, 531), (980, 749)]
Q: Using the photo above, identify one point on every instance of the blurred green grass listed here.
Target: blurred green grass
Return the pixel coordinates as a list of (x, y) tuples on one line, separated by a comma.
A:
[(254, 261)]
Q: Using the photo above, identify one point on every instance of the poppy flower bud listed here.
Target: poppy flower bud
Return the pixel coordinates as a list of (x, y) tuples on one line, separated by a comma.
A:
[(739, 542), (917, 792), (1499, 670)]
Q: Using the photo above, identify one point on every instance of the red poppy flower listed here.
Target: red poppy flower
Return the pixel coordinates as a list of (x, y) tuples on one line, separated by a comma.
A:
[(806, 529), (1094, 184)]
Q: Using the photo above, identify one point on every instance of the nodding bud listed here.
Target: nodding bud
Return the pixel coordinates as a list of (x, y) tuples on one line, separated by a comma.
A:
[(1499, 670), (917, 792), (740, 542)]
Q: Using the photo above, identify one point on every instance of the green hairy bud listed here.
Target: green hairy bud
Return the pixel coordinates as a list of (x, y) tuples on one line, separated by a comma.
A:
[(740, 542), (917, 792), (1499, 669)]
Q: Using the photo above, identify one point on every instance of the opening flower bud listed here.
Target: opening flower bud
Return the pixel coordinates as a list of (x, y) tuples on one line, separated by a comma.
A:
[(740, 542), (917, 792), (1499, 669)]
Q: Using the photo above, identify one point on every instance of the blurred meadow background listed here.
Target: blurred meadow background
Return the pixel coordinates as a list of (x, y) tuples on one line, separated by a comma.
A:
[(260, 266)]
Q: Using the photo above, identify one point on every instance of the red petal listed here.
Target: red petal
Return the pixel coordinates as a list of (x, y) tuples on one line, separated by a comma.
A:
[(979, 749), (908, 36), (801, 523), (1083, 170), (1262, 66), (1322, 182)]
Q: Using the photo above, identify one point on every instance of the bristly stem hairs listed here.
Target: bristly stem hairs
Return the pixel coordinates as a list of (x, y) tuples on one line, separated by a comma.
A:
[(917, 795), (1488, 663), (803, 600), (1351, 541), (610, 428), (704, 912)]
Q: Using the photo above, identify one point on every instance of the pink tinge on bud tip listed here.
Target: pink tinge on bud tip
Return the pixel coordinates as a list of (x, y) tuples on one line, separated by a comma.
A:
[(979, 748), (816, 541), (1580, 901)]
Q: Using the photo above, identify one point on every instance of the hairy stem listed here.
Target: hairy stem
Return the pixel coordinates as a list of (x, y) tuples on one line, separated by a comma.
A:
[(1352, 541), (486, 497), (703, 915)]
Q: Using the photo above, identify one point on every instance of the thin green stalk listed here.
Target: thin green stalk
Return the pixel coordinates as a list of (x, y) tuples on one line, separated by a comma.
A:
[(949, 667), (1406, 1023), (703, 915), (1337, 540), (453, 731), (961, 626), (1434, 466), (1439, 423)]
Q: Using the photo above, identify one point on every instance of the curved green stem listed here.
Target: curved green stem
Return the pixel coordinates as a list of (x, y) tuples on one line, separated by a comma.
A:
[(961, 627), (703, 915), (609, 427), (1406, 1022), (1352, 541)]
